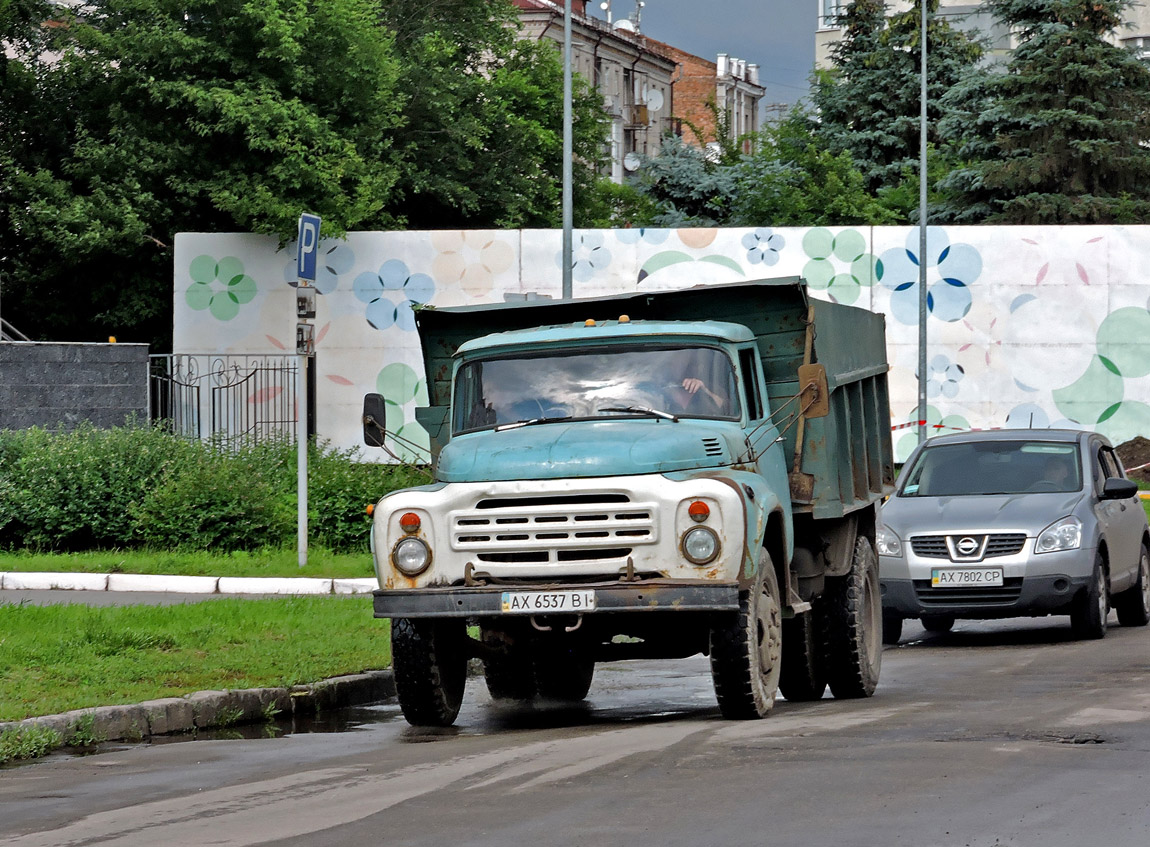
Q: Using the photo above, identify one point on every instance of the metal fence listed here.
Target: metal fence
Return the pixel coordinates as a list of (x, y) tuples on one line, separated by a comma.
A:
[(235, 401)]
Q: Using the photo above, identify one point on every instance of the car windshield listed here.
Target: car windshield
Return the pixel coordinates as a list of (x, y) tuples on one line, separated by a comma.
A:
[(993, 467), (681, 381)]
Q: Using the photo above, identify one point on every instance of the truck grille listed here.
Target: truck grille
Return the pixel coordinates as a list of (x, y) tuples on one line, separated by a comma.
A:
[(999, 544), (559, 528)]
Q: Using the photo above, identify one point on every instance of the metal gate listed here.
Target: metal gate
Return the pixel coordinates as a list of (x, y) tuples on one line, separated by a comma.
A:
[(233, 400)]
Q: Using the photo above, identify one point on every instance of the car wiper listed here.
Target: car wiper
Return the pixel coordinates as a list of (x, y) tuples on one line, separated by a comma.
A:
[(642, 410), (531, 422)]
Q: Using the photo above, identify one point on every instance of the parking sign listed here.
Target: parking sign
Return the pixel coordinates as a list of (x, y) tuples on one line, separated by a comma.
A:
[(307, 246)]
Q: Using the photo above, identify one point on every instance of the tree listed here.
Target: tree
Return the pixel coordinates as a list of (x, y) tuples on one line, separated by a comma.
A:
[(1060, 137), (160, 116), (688, 187), (201, 115), (869, 103), (793, 180), (481, 138)]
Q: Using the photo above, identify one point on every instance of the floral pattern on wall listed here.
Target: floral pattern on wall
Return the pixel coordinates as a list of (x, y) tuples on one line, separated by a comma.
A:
[(1042, 326)]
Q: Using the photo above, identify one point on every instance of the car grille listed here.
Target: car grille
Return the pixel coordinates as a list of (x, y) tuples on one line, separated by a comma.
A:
[(1007, 593), (999, 544), (561, 528)]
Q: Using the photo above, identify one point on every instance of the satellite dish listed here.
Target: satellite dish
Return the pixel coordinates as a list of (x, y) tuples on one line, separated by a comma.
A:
[(632, 161), (624, 25), (654, 99)]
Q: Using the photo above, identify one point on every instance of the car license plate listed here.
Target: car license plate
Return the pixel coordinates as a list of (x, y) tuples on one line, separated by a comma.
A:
[(544, 602), (965, 577)]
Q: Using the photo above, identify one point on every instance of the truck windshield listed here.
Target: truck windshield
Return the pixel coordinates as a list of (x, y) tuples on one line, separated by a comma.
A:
[(683, 381), (994, 467)]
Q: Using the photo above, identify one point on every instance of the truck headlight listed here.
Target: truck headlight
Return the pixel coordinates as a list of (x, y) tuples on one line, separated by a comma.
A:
[(411, 556), (1065, 534), (887, 543), (700, 545)]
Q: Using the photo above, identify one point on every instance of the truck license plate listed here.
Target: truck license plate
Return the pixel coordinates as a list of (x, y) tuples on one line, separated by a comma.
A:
[(542, 602), (965, 577)]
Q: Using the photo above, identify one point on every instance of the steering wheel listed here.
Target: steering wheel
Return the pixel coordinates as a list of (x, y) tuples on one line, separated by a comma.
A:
[(1044, 485)]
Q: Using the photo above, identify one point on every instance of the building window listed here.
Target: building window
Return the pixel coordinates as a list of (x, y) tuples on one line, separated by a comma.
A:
[(829, 13)]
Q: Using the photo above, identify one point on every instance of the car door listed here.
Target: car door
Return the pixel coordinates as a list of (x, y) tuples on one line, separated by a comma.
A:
[(1125, 519)]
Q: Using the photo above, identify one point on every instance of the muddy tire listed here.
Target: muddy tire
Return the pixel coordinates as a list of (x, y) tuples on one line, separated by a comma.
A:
[(1133, 604), (429, 658), (507, 668), (852, 626), (746, 649), (563, 674), (801, 677), (891, 628), (1088, 616)]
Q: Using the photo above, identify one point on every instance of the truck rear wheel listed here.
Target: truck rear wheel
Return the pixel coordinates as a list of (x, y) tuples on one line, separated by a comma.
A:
[(802, 677), (507, 667), (746, 649), (429, 658), (852, 630), (563, 673)]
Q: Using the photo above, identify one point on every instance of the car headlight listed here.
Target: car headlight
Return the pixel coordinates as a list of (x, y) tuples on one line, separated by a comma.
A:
[(887, 543), (700, 545), (411, 556), (1065, 534)]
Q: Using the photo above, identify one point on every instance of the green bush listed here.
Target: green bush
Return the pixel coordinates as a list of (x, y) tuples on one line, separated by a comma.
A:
[(139, 486)]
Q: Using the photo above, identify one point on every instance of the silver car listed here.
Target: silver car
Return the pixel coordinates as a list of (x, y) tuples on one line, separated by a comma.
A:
[(1011, 523)]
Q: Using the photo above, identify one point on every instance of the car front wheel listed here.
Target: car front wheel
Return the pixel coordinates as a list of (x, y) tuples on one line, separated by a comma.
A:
[(1133, 604), (1088, 617)]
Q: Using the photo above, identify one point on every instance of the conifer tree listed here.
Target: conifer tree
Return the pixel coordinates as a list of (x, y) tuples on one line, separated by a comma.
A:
[(1059, 137), (869, 102)]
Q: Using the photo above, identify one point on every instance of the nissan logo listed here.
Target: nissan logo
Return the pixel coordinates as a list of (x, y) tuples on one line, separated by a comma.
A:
[(967, 546)]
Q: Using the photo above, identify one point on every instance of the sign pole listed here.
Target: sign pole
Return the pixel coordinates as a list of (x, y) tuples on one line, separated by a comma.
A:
[(307, 251)]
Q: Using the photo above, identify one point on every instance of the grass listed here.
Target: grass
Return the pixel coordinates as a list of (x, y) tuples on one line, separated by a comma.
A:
[(57, 658), (277, 563)]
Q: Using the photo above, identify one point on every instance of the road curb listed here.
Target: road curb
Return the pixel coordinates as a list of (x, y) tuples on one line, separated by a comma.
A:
[(162, 583), (210, 709)]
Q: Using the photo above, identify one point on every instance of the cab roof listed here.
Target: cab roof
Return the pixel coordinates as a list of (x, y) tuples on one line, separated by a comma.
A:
[(593, 331)]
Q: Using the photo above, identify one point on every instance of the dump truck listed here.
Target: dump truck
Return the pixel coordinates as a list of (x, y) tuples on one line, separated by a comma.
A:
[(651, 475)]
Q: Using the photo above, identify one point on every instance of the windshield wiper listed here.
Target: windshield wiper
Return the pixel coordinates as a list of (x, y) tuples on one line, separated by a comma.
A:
[(643, 410), (531, 422)]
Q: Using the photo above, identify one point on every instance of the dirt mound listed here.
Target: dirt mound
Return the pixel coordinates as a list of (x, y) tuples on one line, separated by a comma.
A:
[(1135, 453)]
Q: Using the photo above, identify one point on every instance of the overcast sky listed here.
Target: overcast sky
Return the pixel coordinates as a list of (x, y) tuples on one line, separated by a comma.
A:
[(777, 35)]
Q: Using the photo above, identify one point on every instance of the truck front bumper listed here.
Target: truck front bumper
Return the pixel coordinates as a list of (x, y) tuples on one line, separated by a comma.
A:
[(487, 601)]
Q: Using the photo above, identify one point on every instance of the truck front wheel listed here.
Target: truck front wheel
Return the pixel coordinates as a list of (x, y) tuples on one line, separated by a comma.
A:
[(507, 666), (852, 625), (429, 658), (746, 649), (563, 673)]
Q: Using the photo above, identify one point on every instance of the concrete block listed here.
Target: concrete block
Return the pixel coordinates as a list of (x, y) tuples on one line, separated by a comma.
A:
[(353, 690), (169, 715), (355, 586), (160, 582), (34, 581), (273, 585), (113, 723), (208, 706)]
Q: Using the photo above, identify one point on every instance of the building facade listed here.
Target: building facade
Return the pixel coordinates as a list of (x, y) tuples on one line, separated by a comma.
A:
[(971, 17), (649, 88)]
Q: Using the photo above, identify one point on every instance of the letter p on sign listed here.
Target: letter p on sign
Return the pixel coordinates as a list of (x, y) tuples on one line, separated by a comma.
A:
[(307, 249)]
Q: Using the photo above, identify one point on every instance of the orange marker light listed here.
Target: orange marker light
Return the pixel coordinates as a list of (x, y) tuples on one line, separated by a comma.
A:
[(370, 509), (624, 319), (409, 522), (699, 511), (589, 322)]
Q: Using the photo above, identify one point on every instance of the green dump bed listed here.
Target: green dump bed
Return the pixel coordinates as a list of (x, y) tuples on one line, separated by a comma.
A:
[(846, 461)]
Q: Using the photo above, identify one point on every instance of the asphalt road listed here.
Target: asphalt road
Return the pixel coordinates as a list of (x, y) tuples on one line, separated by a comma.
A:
[(996, 734)]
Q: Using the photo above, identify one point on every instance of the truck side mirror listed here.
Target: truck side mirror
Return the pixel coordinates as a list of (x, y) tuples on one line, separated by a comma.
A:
[(814, 392), (374, 415)]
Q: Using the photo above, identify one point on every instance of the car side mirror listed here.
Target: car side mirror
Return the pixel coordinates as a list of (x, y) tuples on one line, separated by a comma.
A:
[(1119, 489), (374, 415)]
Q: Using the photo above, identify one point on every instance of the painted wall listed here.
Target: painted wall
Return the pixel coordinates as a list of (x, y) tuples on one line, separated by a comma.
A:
[(1028, 325)]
